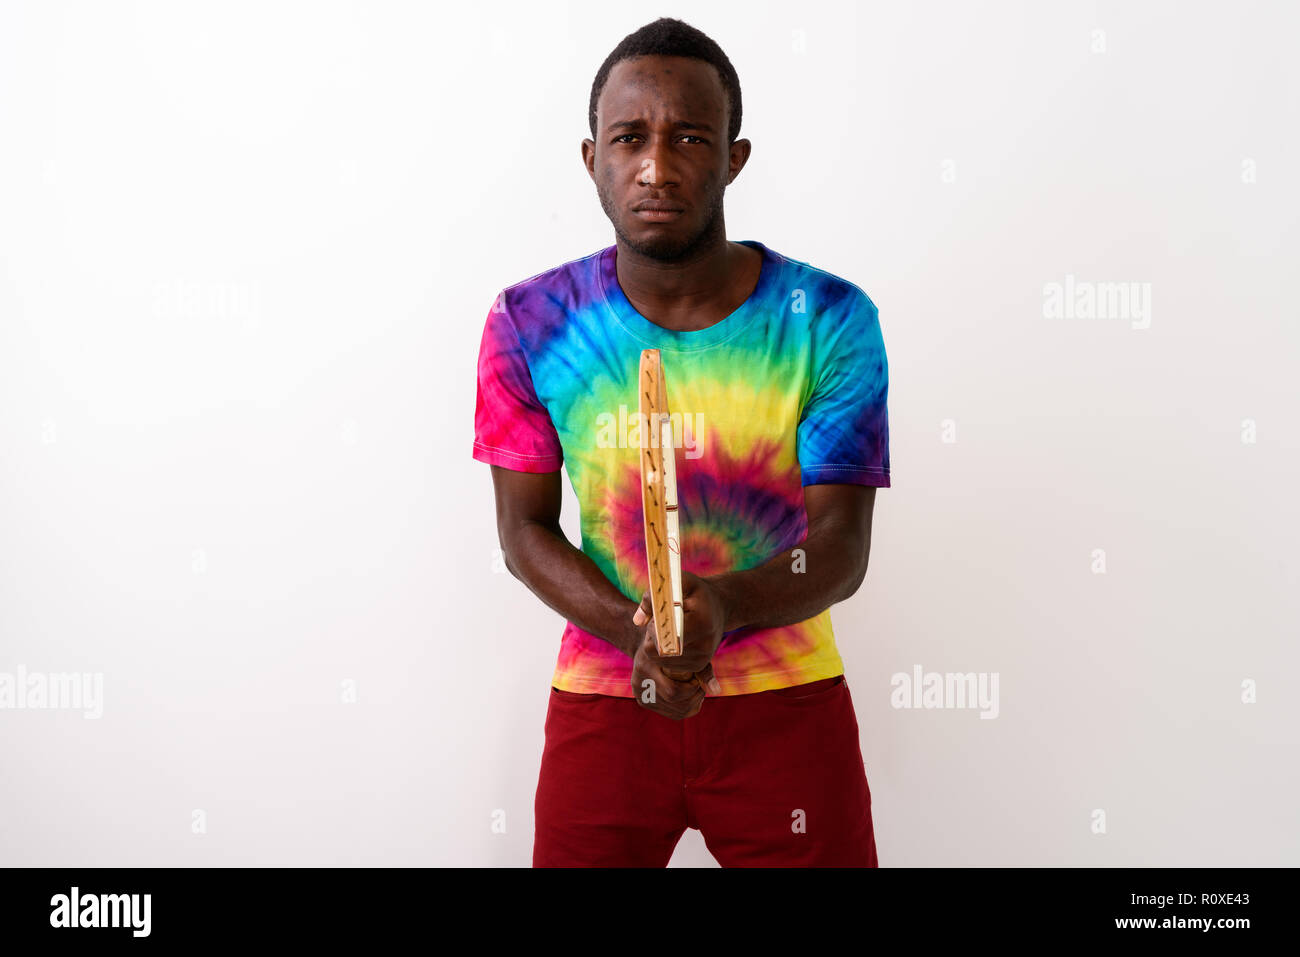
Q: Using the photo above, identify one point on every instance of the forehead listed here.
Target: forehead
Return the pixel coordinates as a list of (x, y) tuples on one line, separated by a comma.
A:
[(658, 88)]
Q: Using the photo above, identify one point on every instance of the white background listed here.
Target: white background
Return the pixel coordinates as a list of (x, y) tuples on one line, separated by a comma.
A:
[(246, 253)]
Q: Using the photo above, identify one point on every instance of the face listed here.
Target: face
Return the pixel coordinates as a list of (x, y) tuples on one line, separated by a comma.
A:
[(661, 128)]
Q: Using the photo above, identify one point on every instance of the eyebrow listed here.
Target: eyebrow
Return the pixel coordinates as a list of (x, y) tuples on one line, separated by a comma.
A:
[(637, 124)]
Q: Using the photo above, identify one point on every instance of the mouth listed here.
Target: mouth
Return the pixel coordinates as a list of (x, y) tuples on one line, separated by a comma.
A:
[(657, 215)]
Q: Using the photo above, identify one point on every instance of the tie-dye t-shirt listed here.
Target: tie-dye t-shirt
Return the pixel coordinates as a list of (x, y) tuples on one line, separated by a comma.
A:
[(789, 390)]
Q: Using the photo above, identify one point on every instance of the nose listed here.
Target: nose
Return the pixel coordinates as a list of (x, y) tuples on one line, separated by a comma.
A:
[(656, 167)]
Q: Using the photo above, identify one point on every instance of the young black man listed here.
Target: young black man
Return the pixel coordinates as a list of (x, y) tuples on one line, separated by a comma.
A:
[(778, 382)]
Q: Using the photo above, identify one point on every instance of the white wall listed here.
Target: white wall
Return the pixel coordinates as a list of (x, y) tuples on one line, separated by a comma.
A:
[(247, 251)]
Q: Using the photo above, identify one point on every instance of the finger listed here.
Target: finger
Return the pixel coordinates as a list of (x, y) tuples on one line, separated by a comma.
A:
[(696, 708), (669, 690), (689, 706), (697, 699), (704, 677), (675, 698), (707, 680), (642, 613), (650, 643)]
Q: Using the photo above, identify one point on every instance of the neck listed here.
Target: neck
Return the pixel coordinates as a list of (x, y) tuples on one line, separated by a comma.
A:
[(691, 293), (697, 273)]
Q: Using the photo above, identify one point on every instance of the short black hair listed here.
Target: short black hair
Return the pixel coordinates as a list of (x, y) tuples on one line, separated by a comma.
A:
[(669, 37)]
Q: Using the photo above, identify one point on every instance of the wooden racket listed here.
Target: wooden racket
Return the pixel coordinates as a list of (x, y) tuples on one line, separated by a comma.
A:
[(659, 505)]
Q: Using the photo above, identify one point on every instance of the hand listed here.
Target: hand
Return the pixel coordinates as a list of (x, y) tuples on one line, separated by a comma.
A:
[(673, 697), (703, 616)]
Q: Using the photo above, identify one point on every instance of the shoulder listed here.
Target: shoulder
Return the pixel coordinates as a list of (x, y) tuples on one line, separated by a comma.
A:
[(564, 285), (830, 299)]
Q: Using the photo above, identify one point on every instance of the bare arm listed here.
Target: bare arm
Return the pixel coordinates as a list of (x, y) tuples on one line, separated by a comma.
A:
[(834, 563), (538, 554)]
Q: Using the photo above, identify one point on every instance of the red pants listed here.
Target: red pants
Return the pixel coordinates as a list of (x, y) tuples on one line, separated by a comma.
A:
[(769, 779)]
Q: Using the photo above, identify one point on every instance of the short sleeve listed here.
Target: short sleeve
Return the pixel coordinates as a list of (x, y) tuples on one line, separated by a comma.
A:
[(844, 429), (511, 426)]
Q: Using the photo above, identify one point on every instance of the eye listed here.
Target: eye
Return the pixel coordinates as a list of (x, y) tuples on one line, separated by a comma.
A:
[(628, 136)]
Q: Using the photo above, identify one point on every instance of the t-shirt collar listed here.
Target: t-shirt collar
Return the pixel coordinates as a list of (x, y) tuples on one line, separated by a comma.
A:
[(656, 336)]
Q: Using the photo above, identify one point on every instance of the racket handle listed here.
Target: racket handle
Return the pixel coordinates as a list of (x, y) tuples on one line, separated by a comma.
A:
[(668, 445)]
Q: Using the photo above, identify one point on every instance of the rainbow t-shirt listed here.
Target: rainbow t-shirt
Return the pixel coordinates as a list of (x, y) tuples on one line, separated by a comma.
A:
[(789, 390)]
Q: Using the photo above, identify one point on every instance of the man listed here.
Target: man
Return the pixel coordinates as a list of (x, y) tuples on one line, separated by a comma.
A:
[(778, 372)]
